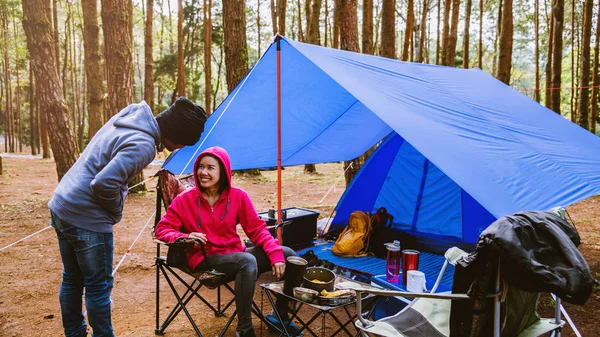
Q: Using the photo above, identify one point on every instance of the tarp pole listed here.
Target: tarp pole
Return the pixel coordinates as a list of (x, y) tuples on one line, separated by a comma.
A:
[(279, 215)]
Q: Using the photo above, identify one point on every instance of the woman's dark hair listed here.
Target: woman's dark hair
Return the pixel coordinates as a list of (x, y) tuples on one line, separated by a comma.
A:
[(223, 178)]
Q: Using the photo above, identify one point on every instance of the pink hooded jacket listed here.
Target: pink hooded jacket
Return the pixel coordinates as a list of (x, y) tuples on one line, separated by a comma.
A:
[(218, 223)]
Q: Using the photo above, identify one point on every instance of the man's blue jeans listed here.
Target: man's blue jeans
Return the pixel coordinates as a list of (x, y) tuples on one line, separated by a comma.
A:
[(87, 264)]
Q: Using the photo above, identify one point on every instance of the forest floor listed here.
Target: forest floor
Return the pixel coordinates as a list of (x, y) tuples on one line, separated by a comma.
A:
[(30, 271)]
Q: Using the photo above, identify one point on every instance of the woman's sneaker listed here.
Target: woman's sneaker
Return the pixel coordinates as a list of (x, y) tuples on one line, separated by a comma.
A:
[(291, 328)]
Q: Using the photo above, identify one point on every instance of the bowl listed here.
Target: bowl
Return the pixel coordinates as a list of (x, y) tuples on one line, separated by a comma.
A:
[(319, 278), (305, 294)]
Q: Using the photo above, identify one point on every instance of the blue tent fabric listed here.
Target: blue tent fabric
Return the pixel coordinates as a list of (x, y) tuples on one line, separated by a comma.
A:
[(472, 149)]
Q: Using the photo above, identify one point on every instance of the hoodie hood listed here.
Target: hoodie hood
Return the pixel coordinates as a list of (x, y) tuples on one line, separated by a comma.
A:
[(138, 117), (222, 156)]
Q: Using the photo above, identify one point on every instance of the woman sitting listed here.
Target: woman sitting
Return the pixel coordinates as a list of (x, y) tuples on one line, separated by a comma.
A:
[(209, 214)]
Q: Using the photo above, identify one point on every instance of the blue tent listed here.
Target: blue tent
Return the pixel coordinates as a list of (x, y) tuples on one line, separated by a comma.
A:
[(461, 148)]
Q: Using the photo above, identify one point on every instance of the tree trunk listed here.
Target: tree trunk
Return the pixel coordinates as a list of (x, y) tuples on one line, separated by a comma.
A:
[(18, 119), (335, 38), (445, 31), (301, 36), (572, 111), (259, 39), (44, 137), (236, 51), (480, 49), (498, 33), (453, 35), (423, 37), (506, 43), (9, 116), (207, 54), (326, 24), (93, 66), (32, 117), (37, 24), (408, 32), (56, 41), (537, 90), (367, 27), (388, 29), (180, 61), (595, 82), (116, 21), (548, 68), (583, 113), (349, 41), (281, 12), (274, 17), (148, 57), (466, 35), (558, 8), (314, 35)]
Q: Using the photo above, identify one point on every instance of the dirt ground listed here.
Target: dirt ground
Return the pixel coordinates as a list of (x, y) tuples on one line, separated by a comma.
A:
[(30, 271)]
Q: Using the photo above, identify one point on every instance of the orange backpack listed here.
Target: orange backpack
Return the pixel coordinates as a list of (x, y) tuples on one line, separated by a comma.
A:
[(354, 240)]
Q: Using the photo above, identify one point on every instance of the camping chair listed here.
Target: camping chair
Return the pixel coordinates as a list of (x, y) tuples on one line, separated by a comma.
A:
[(429, 313), (167, 188)]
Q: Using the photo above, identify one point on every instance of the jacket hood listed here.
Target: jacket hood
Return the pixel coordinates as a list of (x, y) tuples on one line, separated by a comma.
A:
[(138, 117), (222, 156)]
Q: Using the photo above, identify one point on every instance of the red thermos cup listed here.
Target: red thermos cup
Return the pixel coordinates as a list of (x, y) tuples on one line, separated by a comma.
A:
[(410, 261)]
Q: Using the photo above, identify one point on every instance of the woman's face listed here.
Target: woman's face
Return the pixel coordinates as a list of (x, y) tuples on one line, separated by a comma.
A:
[(209, 172)]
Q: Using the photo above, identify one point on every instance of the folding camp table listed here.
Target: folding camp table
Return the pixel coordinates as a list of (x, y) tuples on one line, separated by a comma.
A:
[(276, 288)]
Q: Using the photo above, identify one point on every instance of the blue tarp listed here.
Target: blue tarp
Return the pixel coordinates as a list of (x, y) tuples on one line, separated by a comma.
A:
[(462, 147)]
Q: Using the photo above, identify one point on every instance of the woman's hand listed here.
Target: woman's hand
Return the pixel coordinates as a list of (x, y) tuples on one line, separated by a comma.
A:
[(278, 270), (198, 236)]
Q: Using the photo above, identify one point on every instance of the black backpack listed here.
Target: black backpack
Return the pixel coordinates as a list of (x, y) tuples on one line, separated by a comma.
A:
[(382, 232)]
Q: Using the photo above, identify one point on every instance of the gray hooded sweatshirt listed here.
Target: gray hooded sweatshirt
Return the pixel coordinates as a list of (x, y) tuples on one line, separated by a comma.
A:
[(92, 193)]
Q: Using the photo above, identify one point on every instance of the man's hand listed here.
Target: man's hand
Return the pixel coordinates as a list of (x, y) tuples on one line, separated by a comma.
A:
[(278, 270)]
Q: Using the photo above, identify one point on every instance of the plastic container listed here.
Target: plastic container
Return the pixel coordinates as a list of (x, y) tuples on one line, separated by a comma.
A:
[(392, 273)]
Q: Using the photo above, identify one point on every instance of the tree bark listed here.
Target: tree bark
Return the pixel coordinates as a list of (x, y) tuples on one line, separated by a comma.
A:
[(497, 38), (453, 35), (148, 57), (207, 54), (349, 41), (537, 90), (37, 24), (274, 17), (572, 111), (180, 61), (32, 118), (548, 68), (408, 32), (9, 116), (506, 43), (116, 21), (335, 38), (480, 49), (422, 36), (445, 31), (558, 7), (236, 51), (56, 41), (314, 35), (281, 12), (595, 82), (466, 35), (583, 113), (367, 28), (388, 29)]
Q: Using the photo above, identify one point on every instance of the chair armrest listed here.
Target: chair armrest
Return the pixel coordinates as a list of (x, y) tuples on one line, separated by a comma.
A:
[(160, 242)]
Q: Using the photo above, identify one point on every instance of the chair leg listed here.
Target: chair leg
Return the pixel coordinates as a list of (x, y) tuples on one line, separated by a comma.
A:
[(181, 301)]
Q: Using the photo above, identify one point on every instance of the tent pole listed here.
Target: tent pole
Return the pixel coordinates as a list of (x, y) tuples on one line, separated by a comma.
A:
[(279, 215)]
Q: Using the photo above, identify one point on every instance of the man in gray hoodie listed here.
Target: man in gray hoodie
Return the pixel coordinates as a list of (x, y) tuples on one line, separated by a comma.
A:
[(89, 200)]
